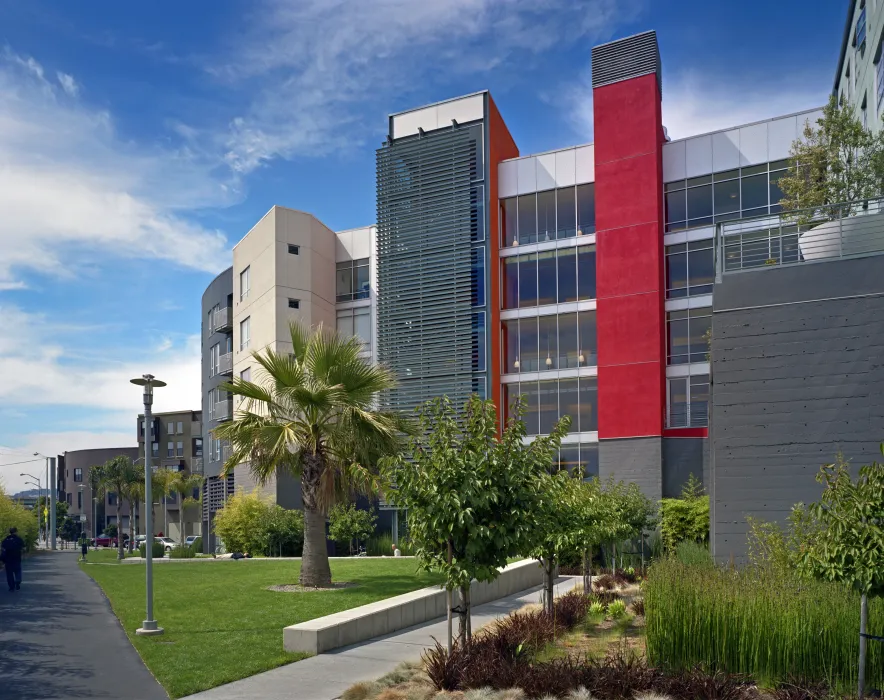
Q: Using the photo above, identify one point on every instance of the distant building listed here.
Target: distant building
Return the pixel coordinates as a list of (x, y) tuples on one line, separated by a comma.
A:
[(74, 486), (859, 80)]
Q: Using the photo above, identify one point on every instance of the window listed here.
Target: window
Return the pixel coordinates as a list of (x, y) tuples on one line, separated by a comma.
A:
[(689, 401), (477, 213), (111, 498), (78, 474), (155, 449), (548, 215), (170, 449), (690, 269), (865, 114), (170, 427), (478, 341), (70, 498), (294, 249), (527, 218), (582, 458), (352, 280), (879, 75), (585, 209), (508, 222), (245, 333), (244, 284), (549, 342), (477, 276), (214, 359), (538, 279), (566, 213), (216, 449), (179, 449), (80, 500), (180, 428), (355, 322), (246, 374), (198, 447), (548, 400), (211, 404), (687, 335), (859, 39), (294, 303)]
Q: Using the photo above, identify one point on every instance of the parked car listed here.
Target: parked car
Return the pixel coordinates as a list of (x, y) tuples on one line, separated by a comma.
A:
[(190, 539), (168, 543)]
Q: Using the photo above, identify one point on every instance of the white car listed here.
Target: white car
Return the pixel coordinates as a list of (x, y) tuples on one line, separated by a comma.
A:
[(168, 543), (190, 539)]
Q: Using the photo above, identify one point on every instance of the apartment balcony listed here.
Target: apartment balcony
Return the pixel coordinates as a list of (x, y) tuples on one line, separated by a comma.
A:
[(223, 410), (688, 415), (225, 363), (222, 319), (226, 451), (196, 465), (833, 232)]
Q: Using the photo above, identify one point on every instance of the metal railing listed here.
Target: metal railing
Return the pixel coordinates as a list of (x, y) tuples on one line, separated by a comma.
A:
[(223, 410), (848, 230), (688, 415), (222, 319), (226, 451), (225, 363), (196, 465)]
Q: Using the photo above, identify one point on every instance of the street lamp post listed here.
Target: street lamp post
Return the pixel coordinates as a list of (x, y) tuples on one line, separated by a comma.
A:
[(82, 514), (39, 486), (149, 626), (49, 503)]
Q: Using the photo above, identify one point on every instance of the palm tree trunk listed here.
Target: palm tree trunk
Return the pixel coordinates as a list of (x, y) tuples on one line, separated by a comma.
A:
[(131, 525), (315, 570), (119, 528), (181, 520)]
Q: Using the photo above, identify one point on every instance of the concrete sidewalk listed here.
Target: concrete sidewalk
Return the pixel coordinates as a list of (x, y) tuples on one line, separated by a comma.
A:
[(60, 638), (327, 676)]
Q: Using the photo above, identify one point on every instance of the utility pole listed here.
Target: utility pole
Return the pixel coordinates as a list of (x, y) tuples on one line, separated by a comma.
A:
[(53, 487)]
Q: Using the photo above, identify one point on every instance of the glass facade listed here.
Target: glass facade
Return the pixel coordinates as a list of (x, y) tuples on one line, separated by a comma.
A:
[(734, 194), (582, 456), (563, 341), (356, 322), (687, 335), (690, 269), (549, 277), (352, 280), (547, 400), (547, 216), (688, 402)]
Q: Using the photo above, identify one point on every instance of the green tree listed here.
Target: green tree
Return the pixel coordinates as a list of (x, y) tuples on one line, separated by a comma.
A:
[(313, 413), (685, 518), (15, 515), (594, 521), (846, 543), (472, 499), (634, 513), (347, 523), (836, 161), (285, 531), (184, 484), (121, 477)]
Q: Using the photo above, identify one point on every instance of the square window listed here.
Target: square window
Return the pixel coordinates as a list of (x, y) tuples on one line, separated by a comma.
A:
[(294, 303), (294, 249), (245, 333), (244, 284), (180, 428)]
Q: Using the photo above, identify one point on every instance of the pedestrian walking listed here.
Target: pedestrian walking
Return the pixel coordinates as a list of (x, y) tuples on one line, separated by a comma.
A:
[(84, 548), (10, 554)]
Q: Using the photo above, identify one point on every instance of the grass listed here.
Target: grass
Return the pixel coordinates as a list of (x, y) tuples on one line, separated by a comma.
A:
[(769, 624), (222, 624)]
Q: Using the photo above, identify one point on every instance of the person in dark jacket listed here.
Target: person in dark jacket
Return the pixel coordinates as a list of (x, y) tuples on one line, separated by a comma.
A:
[(10, 552)]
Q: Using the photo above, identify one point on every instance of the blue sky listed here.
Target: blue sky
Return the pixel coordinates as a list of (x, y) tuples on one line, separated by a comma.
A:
[(139, 141)]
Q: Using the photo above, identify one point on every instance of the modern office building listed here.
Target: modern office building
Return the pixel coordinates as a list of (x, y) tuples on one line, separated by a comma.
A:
[(176, 444), (612, 282), (73, 476), (859, 79)]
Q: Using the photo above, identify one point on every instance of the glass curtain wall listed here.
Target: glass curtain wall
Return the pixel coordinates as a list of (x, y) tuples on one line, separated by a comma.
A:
[(688, 402), (563, 341), (549, 277), (547, 400), (688, 335), (548, 216)]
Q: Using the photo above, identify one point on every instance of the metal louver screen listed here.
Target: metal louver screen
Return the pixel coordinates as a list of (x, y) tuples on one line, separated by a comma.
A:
[(626, 58), (424, 266)]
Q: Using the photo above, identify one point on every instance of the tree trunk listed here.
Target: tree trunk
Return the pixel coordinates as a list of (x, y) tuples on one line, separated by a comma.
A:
[(587, 572), (119, 528), (180, 522), (449, 602), (550, 583), (131, 525), (315, 570), (863, 643), (464, 614)]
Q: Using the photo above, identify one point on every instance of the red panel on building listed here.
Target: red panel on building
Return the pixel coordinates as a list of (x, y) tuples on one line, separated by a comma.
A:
[(629, 222), (500, 147)]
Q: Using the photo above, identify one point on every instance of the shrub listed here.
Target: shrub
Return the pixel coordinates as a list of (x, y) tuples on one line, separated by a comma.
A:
[(694, 554), (597, 608), (14, 515), (638, 606), (606, 597), (382, 545), (249, 523), (605, 582), (685, 518), (616, 609), (158, 551), (186, 552), (347, 523)]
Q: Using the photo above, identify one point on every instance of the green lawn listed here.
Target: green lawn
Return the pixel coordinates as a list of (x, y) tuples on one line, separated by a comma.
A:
[(222, 624)]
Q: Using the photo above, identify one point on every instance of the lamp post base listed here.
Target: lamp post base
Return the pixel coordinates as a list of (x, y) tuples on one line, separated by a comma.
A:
[(149, 629)]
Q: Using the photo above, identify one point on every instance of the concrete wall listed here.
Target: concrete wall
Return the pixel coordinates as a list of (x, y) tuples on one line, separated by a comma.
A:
[(220, 293), (797, 358), (634, 459), (681, 458), (386, 616)]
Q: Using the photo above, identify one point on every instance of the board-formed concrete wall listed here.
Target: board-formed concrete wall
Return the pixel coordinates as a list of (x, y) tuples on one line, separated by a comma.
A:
[(798, 375)]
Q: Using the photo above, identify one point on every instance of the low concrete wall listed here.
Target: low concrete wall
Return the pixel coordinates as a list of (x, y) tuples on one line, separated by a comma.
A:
[(393, 614)]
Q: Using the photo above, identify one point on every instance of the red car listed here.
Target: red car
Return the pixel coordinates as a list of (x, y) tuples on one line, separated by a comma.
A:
[(105, 541)]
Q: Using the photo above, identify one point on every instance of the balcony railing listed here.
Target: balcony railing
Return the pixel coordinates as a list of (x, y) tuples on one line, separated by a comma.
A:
[(688, 415), (848, 230), (222, 319), (196, 465), (226, 451), (225, 363), (223, 410)]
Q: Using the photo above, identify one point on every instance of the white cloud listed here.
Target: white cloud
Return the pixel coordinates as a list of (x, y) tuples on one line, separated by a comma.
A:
[(71, 188), (329, 68), (68, 84)]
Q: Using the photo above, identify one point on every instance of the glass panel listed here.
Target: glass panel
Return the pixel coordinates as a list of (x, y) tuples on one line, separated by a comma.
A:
[(478, 340), (677, 337), (568, 402), (548, 403), (532, 408), (588, 339), (566, 208), (511, 283), (727, 197), (702, 180), (548, 333), (678, 403), (510, 341), (754, 192), (586, 272), (568, 341), (672, 186), (528, 218), (588, 396), (508, 222), (527, 280), (510, 396), (589, 459), (344, 282), (529, 358), (360, 281), (676, 274), (546, 215), (585, 209), (477, 281), (699, 202), (676, 206), (699, 410), (567, 264), (569, 457), (546, 277), (727, 175), (701, 271), (700, 325), (362, 325), (776, 194), (753, 170), (477, 213), (345, 323)]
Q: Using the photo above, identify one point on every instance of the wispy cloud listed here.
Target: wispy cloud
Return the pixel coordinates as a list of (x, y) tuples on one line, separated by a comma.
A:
[(70, 187), (328, 69)]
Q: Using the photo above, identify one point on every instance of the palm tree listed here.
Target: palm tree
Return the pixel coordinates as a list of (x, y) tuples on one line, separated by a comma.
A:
[(313, 414), (160, 488), (183, 484), (119, 476)]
